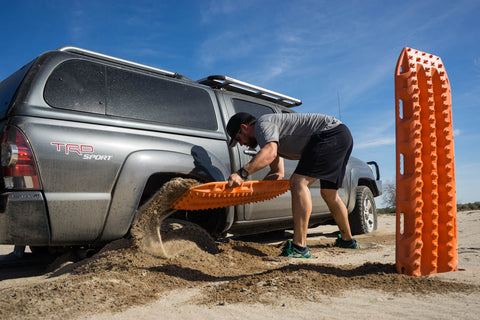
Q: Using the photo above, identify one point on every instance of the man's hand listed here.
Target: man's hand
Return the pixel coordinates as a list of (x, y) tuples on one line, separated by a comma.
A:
[(235, 180), (266, 156)]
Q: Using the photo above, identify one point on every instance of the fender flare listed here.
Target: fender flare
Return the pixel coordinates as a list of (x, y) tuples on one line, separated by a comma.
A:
[(137, 169), (357, 174)]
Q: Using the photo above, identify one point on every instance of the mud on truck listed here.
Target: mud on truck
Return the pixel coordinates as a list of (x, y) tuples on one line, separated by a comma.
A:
[(88, 138)]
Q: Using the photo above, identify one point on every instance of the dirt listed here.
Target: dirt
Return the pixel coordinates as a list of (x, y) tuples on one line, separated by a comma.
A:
[(243, 272), (146, 234), (121, 276)]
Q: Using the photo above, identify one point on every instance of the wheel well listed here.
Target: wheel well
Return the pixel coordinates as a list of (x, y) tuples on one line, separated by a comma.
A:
[(370, 184), (213, 220), (156, 181)]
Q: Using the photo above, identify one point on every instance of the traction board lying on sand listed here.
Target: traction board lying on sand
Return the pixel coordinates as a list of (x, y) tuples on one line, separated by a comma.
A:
[(219, 194)]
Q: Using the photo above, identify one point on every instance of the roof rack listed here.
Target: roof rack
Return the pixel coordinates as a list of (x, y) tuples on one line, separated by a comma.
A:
[(123, 62), (230, 84)]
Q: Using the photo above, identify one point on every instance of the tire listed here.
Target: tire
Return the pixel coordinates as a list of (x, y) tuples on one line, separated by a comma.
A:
[(212, 220), (185, 230), (47, 250), (39, 250), (363, 218), (154, 225)]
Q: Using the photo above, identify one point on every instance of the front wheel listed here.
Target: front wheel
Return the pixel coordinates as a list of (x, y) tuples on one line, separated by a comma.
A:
[(363, 218)]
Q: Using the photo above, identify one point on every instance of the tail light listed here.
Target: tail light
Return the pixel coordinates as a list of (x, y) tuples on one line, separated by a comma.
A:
[(19, 170)]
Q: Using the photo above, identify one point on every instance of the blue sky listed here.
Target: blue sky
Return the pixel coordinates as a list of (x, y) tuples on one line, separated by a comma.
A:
[(327, 53)]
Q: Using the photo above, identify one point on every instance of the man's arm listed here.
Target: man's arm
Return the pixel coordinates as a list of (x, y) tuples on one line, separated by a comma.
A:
[(266, 156), (276, 170)]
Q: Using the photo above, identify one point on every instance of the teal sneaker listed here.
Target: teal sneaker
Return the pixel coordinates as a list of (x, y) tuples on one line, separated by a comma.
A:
[(350, 244), (290, 251)]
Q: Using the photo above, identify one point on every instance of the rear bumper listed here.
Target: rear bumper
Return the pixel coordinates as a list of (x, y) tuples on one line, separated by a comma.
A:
[(23, 218)]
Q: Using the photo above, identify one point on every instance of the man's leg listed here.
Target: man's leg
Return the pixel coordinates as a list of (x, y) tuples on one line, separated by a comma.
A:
[(339, 212), (301, 207)]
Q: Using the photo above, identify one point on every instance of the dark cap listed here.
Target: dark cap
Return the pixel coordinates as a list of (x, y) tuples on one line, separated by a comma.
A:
[(233, 126)]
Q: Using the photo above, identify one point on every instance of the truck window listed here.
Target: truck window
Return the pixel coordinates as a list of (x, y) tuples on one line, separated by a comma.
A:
[(9, 86), (77, 85), (255, 109), (87, 86), (134, 95)]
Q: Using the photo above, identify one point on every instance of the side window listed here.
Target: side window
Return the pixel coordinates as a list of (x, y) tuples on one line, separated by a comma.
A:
[(77, 85), (133, 95), (91, 87), (255, 109)]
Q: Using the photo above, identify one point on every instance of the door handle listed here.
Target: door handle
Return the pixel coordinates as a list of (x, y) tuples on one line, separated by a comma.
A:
[(251, 153)]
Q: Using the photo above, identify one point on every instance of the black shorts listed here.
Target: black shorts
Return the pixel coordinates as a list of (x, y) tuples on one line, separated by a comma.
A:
[(326, 155)]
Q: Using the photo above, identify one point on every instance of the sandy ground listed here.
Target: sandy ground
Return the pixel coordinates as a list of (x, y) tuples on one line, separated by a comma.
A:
[(246, 280)]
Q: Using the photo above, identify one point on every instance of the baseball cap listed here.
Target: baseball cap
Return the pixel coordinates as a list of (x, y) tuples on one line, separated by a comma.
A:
[(233, 125)]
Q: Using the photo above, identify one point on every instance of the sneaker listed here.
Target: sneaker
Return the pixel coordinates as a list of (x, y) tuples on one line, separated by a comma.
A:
[(290, 251), (350, 244)]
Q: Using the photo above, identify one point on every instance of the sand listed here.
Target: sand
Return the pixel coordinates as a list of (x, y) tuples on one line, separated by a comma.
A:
[(245, 279)]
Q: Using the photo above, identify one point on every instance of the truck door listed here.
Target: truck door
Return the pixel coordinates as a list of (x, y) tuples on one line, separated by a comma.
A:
[(279, 207)]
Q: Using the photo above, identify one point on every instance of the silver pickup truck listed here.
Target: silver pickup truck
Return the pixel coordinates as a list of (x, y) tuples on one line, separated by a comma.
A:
[(88, 138)]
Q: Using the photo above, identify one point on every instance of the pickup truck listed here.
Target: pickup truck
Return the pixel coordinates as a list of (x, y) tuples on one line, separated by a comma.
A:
[(88, 138)]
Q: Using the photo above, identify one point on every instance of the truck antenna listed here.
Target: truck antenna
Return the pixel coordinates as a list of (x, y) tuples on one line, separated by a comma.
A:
[(339, 113)]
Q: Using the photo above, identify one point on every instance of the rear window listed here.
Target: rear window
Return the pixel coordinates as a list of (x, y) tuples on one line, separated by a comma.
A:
[(9, 86), (91, 87), (77, 85)]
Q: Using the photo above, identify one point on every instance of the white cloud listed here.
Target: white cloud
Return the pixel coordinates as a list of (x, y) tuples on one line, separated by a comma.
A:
[(214, 8), (226, 46), (381, 141), (358, 83), (78, 24)]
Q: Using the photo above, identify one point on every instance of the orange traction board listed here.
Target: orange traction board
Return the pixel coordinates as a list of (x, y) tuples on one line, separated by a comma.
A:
[(219, 194)]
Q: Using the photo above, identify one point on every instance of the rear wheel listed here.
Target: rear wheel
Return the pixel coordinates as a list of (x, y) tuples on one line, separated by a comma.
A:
[(363, 218), (212, 220), (152, 230), (180, 230)]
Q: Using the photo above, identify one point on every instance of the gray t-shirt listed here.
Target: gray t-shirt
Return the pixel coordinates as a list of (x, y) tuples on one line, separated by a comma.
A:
[(292, 131)]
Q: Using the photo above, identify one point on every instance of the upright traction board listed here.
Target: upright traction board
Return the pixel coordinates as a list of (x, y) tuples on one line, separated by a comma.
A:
[(426, 228)]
